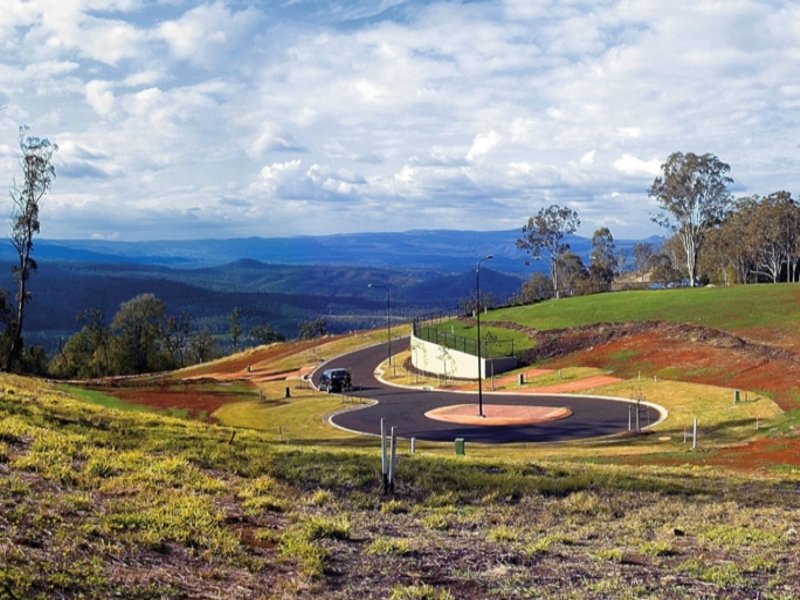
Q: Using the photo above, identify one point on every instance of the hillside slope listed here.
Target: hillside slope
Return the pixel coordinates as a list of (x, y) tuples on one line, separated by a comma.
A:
[(744, 337), (98, 503), (766, 312), (279, 295)]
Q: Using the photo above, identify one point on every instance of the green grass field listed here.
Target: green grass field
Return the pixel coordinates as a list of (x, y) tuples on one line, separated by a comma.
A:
[(726, 308), (763, 310), (101, 399)]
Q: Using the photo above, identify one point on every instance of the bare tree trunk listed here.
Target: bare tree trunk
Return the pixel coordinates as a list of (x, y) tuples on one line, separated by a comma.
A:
[(554, 276), (24, 248)]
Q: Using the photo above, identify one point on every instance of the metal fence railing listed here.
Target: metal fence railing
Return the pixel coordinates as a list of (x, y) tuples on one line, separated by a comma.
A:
[(429, 328)]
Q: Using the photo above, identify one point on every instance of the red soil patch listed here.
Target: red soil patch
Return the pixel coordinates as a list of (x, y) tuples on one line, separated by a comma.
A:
[(197, 403), (536, 372), (258, 360), (573, 386), (180, 393), (672, 355), (498, 414), (754, 456), (759, 454), (256, 375)]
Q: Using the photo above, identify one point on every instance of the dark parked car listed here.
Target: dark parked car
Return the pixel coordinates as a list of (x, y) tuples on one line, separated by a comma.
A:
[(336, 380)]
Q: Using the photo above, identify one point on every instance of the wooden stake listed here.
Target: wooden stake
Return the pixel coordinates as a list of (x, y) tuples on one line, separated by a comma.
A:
[(694, 434)]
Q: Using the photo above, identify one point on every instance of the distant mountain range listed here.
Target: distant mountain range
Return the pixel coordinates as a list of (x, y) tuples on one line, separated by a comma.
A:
[(445, 250), (277, 281)]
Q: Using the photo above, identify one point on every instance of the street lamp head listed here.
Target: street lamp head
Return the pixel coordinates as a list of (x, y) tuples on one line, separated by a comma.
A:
[(480, 262)]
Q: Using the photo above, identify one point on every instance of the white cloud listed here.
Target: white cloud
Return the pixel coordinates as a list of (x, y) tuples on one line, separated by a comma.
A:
[(100, 97), (274, 139), (434, 108), (630, 165), (588, 158), (482, 144), (631, 132), (205, 34)]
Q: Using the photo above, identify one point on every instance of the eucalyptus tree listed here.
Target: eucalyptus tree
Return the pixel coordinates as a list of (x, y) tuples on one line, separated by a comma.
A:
[(538, 287), (775, 235), (603, 262), (38, 173), (692, 193), (573, 274), (177, 336), (265, 334), (789, 225), (236, 326), (642, 251), (138, 329), (545, 232)]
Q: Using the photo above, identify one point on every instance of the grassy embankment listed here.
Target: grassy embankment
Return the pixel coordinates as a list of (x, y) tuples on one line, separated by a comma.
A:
[(768, 313), (759, 309), (96, 502), (722, 424)]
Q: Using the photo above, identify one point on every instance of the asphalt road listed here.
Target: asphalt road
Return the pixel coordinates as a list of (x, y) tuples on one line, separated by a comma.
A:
[(405, 409)]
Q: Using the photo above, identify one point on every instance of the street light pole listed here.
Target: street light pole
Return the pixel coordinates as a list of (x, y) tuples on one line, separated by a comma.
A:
[(388, 316), (478, 319)]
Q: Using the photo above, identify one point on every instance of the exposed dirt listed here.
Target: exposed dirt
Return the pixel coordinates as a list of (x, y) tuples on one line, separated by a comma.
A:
[(573, 386), (558, 342), (759, 455), (186, 389), (687, 352), (258, 360), (576, 385), (498, 414), (198, 402)]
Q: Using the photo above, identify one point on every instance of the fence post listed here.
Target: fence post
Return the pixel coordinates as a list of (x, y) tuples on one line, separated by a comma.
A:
[(384, 474), (392, 459)]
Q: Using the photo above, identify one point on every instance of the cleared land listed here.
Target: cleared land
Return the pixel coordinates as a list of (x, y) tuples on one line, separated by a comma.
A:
[(98, 502)]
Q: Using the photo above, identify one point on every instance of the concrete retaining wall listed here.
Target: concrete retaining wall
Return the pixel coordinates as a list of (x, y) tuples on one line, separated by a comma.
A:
[(440, 360)]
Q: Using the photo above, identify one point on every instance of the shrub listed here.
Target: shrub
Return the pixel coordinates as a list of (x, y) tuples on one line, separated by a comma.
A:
[(420, 592), (321, 498), (503, 533), (396, 546)]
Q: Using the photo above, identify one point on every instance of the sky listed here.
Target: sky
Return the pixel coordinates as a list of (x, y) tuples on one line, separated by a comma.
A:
[(191, 120)]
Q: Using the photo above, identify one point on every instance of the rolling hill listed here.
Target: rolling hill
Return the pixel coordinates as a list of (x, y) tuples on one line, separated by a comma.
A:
[(278, 281)]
